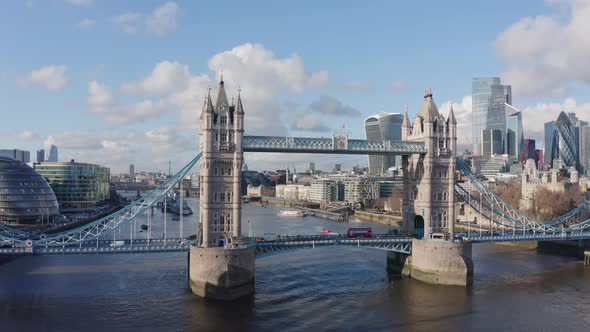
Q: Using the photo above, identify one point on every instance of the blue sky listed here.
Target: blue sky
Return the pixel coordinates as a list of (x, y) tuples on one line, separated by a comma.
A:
[(120, 82)]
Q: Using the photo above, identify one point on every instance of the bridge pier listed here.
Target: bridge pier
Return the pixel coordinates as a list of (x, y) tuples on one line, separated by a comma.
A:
[(435, 262), (222, 274)]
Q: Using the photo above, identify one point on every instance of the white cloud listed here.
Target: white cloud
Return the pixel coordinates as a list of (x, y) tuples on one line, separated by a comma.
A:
[(545, 54), (87, 23), (161, 21), (102, 102), (190, 100), (263, 77), (101, 97), (80, 2), (27, 135), (463, 113), (129, 22), (52, 77), (164, 79)]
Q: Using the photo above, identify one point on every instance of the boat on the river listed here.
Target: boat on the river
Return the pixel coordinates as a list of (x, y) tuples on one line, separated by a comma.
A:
[(173, 205), (326, 231), (292, 213)]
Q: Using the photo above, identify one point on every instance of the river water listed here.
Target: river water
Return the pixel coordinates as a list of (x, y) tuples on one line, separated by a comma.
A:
[(332, 289)]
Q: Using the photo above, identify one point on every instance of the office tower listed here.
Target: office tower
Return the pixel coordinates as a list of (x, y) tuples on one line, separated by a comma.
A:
[(489, 98), (564, 147), (577, 126), (53, 154), (337, 167), (549, 129), (131, 169), (514, 133), (491, 142), (585, 148), (41, 155), (16, 154), (311, 167), (384, 126)]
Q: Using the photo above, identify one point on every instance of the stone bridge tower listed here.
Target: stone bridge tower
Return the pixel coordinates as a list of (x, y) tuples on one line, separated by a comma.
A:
[(429, 180), (222, 130), (429, 202), (220, 266)]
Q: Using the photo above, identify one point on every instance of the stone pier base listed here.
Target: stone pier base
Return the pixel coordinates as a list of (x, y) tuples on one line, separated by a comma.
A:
[(222, 274), (435, 262)]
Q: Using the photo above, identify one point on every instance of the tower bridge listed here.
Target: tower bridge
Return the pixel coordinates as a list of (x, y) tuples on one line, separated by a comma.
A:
[(222, 261)]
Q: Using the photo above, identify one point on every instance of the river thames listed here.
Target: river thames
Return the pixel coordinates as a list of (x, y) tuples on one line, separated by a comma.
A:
[(323, 289)]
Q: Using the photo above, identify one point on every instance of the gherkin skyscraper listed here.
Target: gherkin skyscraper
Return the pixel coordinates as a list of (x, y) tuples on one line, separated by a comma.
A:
[(564, 145)]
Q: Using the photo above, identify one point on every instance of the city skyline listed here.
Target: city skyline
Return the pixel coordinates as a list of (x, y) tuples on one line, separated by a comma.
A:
[(142, 107)]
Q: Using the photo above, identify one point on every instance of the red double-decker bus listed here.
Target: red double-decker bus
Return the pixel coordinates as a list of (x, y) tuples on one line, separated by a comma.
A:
[(359, 232)]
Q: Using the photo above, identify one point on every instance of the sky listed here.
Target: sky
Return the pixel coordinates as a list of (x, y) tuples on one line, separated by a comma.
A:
[(123, 82)]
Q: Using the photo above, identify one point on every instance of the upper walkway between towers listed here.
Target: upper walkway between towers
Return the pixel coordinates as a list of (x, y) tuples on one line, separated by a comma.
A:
[(335, 145)]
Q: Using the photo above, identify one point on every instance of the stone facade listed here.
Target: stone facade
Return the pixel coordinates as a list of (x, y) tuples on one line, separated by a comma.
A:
[(533, 181), (222, 131), (218, 267), (429, 180), (261, 190)]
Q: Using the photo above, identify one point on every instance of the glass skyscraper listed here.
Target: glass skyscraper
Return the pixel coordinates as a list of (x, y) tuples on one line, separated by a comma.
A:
[(548, 133), (514, 133), (489, 97), (53, 154), (564, 147), (384, 126), (585, 148), (491, 142)]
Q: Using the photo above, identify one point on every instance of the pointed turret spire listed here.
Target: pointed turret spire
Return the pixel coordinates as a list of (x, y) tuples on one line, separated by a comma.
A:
[(406, 122), (239, 107), (452, 118), (221, 96), (428, 111), (208, 104)]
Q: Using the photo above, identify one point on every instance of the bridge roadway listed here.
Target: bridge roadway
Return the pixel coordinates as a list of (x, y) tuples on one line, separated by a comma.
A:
[(263, 247), (388, 242)]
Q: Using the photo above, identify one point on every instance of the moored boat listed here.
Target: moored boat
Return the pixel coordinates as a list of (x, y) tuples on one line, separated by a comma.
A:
[(292, 213)]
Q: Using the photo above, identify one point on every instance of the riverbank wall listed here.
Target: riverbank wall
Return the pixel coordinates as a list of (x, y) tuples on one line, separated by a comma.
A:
[(381, 218)]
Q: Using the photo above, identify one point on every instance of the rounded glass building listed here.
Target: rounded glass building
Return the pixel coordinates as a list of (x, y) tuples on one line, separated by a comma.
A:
[(25, 196), (564, 141)]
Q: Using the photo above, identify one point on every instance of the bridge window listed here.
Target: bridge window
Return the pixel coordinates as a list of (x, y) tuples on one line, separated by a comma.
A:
[(223, 119), (228, 196), (216, 171), (216, 137), (223, 137), (229, 171), (231, 137)]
